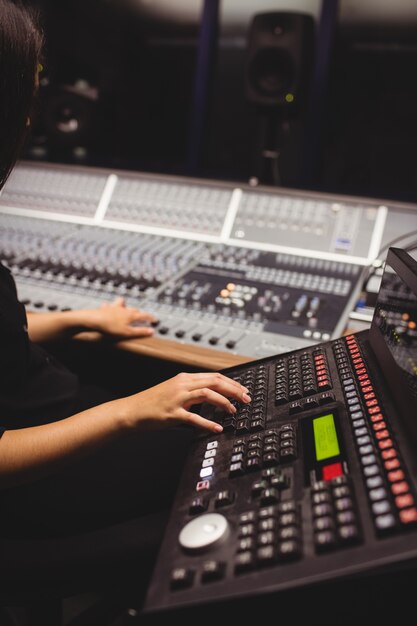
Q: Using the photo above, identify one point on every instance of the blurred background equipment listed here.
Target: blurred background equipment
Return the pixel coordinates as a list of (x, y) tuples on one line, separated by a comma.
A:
[(143, 62)]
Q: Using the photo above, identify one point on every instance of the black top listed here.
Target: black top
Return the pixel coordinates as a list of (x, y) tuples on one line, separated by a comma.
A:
[(34, 387)]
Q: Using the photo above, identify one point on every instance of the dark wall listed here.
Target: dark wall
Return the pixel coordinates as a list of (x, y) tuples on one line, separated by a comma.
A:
[(131, 80)]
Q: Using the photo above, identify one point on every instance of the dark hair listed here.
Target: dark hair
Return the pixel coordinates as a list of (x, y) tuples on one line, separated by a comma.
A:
[(20, 49)]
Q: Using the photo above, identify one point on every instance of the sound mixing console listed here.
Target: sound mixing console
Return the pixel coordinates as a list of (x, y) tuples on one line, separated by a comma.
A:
[(244, 271), (314, 480)]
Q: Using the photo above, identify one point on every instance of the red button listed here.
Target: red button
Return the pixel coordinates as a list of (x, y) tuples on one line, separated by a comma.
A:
[(384, 444), (363, 377), (392, 464), (408, 516), (372, 402), (373, 409), (382, 434), (369, 396), (401, 487), (360, 370), (202, 484), (366, 388), (331, 471), (377, 417), (379, 425), (388, 454), (404, 501), (396, 475)]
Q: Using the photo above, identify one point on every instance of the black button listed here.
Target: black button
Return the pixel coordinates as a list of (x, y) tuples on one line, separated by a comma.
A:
[(182, 577), (212, 570)]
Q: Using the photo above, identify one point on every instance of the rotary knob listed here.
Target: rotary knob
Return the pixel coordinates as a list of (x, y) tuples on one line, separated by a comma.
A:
[(203, 532)]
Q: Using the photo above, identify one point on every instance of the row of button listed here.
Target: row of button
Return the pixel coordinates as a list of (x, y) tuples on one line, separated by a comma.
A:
[(389, 491), (263, 450), (269, 536), (335, 520), (301, 375)]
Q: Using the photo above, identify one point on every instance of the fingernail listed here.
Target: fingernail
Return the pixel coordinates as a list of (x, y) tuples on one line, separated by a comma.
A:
[(246, 397), (218, 428), (245, 389), (233, 409)]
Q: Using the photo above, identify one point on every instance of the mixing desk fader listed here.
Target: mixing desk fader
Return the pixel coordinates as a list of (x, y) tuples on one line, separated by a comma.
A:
[(314, 480), (232, 270)]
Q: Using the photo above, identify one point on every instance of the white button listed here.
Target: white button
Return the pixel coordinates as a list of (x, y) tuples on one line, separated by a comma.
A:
[(212, 444), (207, 462), (206, 471), (210, 453)]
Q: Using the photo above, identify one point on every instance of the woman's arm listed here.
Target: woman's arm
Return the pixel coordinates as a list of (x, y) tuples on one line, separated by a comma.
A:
[(28, 454), (112, 318)]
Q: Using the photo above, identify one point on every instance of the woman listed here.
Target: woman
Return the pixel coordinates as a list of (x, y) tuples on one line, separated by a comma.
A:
[(64, 471)]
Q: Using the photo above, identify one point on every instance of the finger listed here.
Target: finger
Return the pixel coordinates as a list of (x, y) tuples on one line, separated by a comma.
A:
[(214, 378), (202, 422), (219, 382), (212, 397), (140, 331), (142, 316)]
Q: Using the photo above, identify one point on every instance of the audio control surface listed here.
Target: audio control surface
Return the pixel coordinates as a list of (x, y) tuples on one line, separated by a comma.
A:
[(314, 480)]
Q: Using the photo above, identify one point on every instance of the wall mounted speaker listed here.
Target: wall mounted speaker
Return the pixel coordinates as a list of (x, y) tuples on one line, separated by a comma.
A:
[(280, 51)]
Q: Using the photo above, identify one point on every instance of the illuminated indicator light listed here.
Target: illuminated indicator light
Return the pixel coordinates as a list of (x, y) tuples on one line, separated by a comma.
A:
[(405, 317), (225, 293), (388, 454), (363, 377), (202, 484), (412, 325), (376, 418), (392, 464), (382, 434), (374, 409), (366, 388), (289, 97), (357, 360), (379, 425), (403, 501), (385, 443), (398, 488), (332, 471), (408, 516), (372, 402), (231, 286), (396, 475), (369, 396), (325, 437)]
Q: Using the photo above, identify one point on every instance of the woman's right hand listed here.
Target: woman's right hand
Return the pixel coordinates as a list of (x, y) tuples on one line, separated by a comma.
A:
[(170, 401)]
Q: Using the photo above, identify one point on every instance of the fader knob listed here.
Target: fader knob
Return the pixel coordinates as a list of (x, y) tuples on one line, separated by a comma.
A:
[(204, 532)]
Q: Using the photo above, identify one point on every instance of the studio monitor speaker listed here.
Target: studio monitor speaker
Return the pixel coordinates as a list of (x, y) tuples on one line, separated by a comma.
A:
[(280, 50)]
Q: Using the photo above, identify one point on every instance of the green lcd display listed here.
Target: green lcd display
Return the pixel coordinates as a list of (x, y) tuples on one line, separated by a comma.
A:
[(325, 437)]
